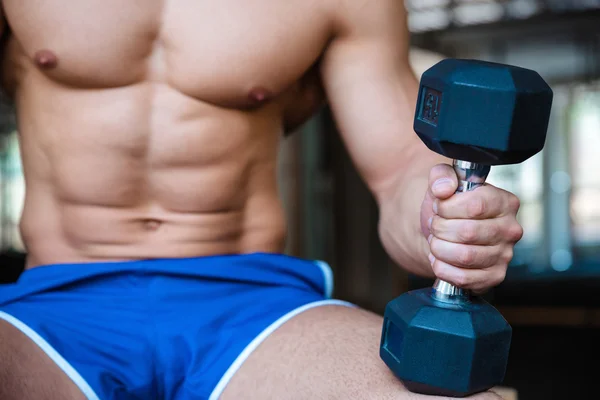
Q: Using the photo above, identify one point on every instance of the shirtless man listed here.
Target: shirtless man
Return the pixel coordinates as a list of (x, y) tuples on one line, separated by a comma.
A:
[(149, 132)]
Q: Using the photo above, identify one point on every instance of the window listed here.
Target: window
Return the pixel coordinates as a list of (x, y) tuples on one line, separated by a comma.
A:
[(12, 189), (560, 187), (584, 123)]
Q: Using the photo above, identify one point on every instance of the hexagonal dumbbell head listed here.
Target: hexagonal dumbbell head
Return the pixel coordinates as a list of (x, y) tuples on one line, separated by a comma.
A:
[(483, 112), (446, 350)]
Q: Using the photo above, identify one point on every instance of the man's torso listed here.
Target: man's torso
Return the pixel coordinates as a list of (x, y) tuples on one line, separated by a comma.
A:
[(150, 128)]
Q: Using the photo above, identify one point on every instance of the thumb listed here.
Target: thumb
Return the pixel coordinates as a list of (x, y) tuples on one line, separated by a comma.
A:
[(442, 181)]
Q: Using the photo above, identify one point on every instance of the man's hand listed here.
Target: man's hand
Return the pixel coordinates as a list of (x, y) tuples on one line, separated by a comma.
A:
[(471, 235)]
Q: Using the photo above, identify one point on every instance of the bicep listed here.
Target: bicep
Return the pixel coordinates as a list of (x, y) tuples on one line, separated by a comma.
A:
[(372, 89)]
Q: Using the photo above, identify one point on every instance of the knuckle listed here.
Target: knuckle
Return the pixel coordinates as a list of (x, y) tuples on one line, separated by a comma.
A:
[(499, 276), (467, 256), (514, 203), (461, 279), (468, 232), (476, 207), (516, 232), (508, 255)]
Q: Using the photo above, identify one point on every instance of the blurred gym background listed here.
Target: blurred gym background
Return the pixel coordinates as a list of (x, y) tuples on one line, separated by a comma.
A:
[(551, 295)]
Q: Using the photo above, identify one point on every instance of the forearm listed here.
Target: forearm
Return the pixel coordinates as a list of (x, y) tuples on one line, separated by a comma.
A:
[(403, 229), (372, 90)]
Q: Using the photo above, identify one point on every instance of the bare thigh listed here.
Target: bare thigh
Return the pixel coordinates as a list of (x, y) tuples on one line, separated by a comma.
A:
[(329, 352), (26, 372)]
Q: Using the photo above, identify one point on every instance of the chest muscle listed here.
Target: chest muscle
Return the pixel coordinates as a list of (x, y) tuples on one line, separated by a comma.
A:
[(213, 50)]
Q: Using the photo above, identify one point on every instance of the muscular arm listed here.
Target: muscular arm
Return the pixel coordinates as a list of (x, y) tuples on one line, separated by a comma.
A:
[(372, 91)]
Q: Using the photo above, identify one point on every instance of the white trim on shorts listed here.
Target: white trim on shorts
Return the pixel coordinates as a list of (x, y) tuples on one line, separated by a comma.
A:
[(235, 366), (53, 354), (327, 276)]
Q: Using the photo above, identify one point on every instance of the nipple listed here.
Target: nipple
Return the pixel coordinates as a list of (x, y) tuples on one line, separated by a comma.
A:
[(45, 59), (259, 95)]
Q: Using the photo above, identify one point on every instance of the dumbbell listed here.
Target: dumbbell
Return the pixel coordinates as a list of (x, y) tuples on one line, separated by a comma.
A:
[(444, 340)]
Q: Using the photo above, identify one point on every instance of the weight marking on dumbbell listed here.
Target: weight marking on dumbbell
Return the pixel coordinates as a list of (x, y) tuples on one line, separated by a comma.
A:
[(430, 106)]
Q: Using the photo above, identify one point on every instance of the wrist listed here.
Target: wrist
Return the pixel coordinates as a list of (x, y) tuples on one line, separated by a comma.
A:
[(402, 237)]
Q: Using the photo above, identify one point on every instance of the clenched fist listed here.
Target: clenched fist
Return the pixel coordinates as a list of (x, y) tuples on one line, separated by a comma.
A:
[(471, 234)]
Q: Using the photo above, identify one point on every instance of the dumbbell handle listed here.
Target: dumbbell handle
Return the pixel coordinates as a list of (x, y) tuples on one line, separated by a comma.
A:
[(470, 176)]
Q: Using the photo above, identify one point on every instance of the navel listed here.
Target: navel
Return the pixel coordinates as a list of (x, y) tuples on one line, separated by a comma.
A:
[(45, 59), (260, 95), (151, 224)]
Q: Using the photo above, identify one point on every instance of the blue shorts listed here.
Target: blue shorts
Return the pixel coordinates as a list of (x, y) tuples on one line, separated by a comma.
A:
[(161, 329)]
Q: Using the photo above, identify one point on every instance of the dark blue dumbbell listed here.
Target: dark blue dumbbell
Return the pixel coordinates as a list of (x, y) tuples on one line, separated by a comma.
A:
[(443, 340)]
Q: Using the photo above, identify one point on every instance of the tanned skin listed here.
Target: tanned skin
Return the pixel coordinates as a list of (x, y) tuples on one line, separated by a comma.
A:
[(150, 128)]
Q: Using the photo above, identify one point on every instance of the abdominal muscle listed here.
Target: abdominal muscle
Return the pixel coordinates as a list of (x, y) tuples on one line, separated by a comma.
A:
[(144, 171)]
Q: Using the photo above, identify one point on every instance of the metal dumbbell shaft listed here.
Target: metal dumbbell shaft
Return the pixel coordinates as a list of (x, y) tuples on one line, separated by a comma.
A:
[(470, 176)]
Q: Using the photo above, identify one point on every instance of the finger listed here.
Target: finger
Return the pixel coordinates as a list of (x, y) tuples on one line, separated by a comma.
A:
[(487, 232), (489, 395), (442, 181), (485, 202), (465, 255), (476, 280)]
